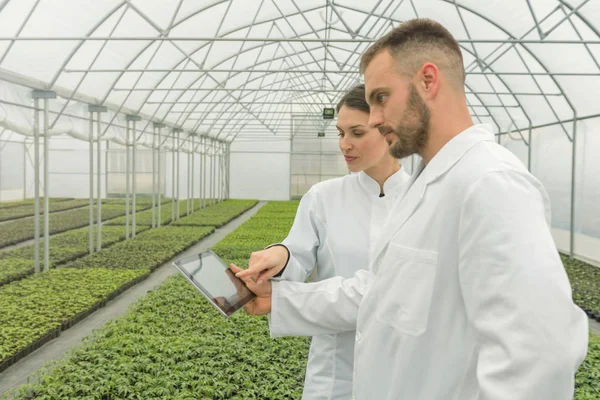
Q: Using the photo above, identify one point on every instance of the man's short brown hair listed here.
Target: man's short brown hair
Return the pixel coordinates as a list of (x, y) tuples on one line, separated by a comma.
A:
[(416, 42)]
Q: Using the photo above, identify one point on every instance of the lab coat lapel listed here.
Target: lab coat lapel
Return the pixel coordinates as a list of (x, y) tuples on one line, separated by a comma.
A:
[(401, 211), (449, 155)]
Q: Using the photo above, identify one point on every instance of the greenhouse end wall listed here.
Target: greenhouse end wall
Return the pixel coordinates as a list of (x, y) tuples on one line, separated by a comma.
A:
[(260, 170)]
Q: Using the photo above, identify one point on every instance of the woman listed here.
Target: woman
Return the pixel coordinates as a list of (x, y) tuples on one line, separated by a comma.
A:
[(336, 225)]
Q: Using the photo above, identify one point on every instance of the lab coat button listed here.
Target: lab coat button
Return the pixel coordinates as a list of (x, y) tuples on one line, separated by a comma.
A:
[(358, 337)]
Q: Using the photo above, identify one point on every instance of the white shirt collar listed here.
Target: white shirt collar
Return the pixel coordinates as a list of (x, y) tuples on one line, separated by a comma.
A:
[(394, 182)]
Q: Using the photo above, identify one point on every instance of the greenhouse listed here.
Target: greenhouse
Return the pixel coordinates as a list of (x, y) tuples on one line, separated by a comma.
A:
[(136, 133)]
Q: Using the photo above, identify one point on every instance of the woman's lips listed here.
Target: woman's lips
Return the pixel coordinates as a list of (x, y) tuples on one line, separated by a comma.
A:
[(350, 158)]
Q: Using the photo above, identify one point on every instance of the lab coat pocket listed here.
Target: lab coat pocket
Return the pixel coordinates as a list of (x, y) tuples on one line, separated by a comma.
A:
[(405, 301)]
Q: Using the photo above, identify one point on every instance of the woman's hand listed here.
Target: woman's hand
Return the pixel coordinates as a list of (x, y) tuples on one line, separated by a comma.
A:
[(261, 304), (265, 264)]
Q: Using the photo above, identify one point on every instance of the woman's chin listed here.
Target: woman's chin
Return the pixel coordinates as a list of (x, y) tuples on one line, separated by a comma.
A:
[(354, 168)]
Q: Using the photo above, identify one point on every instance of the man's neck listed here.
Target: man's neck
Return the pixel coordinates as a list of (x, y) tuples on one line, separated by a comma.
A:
[(442, 131)]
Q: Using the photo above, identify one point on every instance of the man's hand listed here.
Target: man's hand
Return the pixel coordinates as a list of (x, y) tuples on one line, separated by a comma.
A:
[(261, 304), (265, 264)]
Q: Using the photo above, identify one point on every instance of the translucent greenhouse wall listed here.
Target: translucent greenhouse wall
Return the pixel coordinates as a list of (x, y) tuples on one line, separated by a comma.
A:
[(260, 169), (314, 158), (12, 164), (551, 163), (69, 171)]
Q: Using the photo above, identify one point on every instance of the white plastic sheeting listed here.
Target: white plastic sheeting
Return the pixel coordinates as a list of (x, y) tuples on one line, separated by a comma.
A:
[(154, 58), (237, 70)]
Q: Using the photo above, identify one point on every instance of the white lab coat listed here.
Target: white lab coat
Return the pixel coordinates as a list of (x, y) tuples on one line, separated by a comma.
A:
[(336, 226), (467, 298)]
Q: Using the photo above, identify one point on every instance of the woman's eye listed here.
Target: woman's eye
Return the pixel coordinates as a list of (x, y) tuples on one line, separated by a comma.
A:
[(341, 134), (357, 134)]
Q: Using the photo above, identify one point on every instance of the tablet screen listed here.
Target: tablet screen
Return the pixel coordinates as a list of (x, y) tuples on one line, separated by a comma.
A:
[(216, 281)]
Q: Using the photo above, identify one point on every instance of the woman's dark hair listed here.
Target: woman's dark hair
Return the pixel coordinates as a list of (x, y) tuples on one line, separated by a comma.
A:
[(355, 99)]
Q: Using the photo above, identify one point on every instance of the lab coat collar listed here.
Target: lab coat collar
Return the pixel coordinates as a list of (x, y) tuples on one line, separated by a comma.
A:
[(454, 150), (423, 175), (396, 181)]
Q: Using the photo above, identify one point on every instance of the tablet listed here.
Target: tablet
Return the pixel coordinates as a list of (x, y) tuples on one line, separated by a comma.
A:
[(216, 281)]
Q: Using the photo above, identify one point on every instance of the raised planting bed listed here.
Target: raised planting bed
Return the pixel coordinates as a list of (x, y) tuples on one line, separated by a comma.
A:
[(148, 250), (11, 213), (18, 203), (37, 306), (145, 218), (17, 231), (585, 282), (18, 263), (218, 214)]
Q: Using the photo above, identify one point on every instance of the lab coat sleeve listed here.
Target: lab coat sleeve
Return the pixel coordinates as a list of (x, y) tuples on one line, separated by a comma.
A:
[(317, 308), (304, 239), (531, 335)]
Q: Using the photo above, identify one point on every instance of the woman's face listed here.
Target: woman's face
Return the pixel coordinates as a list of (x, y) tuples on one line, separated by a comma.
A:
[(362, 147)]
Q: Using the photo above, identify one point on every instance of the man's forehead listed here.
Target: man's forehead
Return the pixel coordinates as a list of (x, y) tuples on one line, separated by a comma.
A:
[(381, 63), (379, 70)]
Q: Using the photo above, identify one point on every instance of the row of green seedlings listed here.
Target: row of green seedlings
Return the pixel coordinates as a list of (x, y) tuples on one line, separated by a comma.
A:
[(13, 232), (19, 203), (173, 344), (10, 213), (67, 246), (585, 282), (32, 317)]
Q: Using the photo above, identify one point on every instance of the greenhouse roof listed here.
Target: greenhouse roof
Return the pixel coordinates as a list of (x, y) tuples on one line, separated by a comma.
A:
[(231, 69)]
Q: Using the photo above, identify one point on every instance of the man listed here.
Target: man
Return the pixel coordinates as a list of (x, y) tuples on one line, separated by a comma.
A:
[(466, 298)]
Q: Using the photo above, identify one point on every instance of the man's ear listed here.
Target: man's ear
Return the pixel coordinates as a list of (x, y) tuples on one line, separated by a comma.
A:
[(429, 79)]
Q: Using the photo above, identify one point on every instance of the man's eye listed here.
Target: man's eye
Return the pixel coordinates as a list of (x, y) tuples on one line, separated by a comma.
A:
[(381, 98)]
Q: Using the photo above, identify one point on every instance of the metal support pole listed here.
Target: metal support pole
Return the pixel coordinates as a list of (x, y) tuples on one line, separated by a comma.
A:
[(203, 172), (219, 169), (36, 204), (159, 126), (36, 95), (188, 174), (95, 109), (178, 185), (212, 174), (173, 182), (91, 173), (134, 181), (99, 194), (153, 179), (529, 150), (134, 119), (175, 175), (24, 169), (291, 154), (573, 186), (215, 172), (46, 189), (159, 181), (228, 170), (192, 169), (222, 172), (127, 169)]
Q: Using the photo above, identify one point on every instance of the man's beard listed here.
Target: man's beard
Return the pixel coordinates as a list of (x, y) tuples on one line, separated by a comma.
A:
[(413, 130)]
